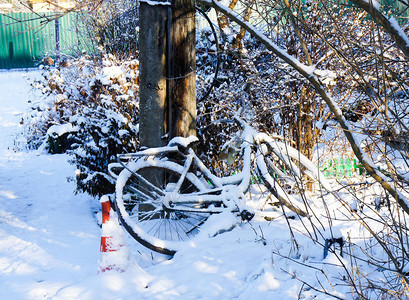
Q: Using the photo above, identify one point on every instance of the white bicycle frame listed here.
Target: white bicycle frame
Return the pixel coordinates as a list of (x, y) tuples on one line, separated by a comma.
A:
[(228, 190)]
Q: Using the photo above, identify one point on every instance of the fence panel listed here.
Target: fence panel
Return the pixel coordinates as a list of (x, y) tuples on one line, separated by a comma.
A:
[(25, 39)]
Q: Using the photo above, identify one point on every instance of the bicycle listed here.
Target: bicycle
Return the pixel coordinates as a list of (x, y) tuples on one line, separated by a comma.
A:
[(166, 195)]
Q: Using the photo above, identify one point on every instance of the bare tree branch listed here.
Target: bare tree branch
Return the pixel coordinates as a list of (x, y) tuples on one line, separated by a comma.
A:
[(389, 25), (308, 72)]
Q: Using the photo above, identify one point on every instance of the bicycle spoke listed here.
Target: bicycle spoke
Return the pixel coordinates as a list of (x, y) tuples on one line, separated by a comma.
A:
[(147, 212), (192, 225), (142, 191), (149, 215)]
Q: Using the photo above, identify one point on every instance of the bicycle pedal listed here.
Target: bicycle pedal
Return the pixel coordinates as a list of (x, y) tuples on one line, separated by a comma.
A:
[(246, 215)]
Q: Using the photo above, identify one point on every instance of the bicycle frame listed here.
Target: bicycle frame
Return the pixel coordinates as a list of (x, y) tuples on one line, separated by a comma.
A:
[(236, 184), (225, 192), (166, 195)]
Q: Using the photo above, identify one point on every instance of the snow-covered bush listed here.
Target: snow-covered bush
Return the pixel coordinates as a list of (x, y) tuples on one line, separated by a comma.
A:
[(364, 71), (91, 107), (270, 92)]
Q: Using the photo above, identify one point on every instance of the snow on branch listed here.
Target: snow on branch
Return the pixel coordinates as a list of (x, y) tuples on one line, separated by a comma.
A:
[(390, 25), (153, 3)]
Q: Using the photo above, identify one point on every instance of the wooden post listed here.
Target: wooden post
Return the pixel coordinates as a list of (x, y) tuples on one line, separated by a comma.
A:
[(182, 73), (152, 72), (153, 106), (57, 36), (167, 107), (57, 39)]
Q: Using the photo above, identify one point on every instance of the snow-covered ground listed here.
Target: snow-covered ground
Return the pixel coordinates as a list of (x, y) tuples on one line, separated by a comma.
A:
[(48, 235), (50, 240)]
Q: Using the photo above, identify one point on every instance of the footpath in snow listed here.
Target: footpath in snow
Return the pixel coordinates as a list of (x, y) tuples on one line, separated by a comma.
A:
[(50, 238), (48, 235)]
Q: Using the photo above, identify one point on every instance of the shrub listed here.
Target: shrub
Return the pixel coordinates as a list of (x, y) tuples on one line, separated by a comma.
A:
[(98, 98)]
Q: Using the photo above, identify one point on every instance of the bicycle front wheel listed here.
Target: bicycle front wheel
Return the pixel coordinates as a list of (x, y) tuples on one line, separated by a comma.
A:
[(140, 192)]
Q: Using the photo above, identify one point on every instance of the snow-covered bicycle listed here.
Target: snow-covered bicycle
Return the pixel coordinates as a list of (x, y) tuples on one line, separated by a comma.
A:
[(166, 195)]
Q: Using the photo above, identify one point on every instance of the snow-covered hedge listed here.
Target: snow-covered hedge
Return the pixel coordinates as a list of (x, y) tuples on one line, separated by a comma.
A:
[(90, 109)]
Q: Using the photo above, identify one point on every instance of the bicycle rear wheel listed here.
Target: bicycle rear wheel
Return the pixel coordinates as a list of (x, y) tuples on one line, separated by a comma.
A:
[(140, 193), (290, 166), (286, 171)]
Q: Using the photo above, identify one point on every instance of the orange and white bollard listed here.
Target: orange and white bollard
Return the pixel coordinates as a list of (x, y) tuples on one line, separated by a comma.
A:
[(114, 254)]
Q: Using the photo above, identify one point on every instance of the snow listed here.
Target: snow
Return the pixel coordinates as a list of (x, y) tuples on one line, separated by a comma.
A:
[(374, 3), (150, 2), (398, 29), (59, 130), (183, 142), (50, 239)]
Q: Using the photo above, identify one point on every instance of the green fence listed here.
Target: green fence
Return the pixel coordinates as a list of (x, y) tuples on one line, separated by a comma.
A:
[(342, 167), (25, 39)]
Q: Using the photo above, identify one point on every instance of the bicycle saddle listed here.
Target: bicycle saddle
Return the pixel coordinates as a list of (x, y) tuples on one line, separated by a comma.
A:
[(183, 143)]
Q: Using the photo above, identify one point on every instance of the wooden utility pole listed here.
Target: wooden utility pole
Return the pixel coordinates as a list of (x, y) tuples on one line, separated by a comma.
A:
[(182, 69), (167, 70), (153, 73)]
